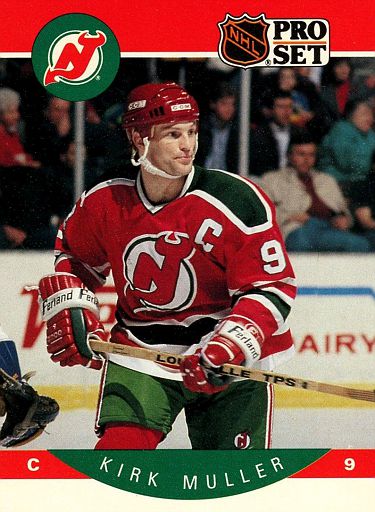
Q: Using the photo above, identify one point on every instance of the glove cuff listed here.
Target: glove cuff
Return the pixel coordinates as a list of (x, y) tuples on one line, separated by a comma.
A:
[(67, 299), (246, 336)]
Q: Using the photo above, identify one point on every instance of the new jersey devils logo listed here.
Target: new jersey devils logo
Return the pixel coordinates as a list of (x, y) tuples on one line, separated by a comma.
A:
[(158, 272), (242, 441), (75, 57), (243, 40)]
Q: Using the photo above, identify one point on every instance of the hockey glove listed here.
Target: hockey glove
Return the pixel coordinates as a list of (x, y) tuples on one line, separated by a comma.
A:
[(27, 413), (235, 342), (72, 315)]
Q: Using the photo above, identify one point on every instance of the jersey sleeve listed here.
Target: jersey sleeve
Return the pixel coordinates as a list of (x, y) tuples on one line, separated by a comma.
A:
[(260, 277), (78, 248)]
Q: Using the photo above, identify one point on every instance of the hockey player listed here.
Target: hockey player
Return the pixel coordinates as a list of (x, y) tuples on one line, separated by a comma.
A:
[(26, 412), (199, 268)]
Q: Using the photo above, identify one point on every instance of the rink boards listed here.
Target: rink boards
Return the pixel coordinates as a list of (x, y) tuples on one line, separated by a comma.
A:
[(332, 323)]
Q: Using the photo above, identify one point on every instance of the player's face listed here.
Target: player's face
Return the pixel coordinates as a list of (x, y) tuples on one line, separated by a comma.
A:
[(302, 157), (172, 148)]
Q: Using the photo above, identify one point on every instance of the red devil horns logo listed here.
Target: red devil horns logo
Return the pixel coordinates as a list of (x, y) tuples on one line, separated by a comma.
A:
[(73, 55)]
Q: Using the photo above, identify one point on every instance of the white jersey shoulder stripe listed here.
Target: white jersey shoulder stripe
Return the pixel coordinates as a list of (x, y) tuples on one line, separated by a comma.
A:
[(289, 281), (109, 183), (271, 289)]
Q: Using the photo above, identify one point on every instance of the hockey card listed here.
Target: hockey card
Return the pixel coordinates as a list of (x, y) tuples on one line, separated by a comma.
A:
[(71, 122)]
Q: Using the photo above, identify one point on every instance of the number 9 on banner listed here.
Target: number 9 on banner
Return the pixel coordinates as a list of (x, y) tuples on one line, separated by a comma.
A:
[(349, 464)]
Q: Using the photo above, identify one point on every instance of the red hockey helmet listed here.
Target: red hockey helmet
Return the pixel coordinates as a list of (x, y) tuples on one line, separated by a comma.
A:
[(152, 104)]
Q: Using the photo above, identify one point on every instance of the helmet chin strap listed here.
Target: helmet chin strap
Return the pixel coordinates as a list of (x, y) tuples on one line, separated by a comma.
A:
[(148, 166)]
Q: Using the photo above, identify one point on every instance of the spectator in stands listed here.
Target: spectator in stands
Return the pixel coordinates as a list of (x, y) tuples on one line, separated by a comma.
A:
[(347, 150), (296, 81), (311, 209), (312, 75), (97, 139), (308, 108), (218, 132), (51, 137), (269, 141), (19, 174), (61, 180), (25, 219), (31, 219), (363, 207), (337, 88), (29, 212), (117, 152), (12, 151), (308, 83), (364, 78), (287, 80), (11, 237)]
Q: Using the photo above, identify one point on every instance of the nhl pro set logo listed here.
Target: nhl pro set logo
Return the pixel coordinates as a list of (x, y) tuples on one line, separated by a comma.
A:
[(76, 57), (248, 42)]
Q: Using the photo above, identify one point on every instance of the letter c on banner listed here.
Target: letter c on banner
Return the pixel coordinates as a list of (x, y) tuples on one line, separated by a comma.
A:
[(31, 466)]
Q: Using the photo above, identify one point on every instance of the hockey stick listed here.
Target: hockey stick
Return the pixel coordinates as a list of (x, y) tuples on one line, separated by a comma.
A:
[(9, 378), (236, 371), (12, 380)]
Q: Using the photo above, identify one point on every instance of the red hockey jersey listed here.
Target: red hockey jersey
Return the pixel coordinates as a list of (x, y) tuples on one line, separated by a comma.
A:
[(180, 267)]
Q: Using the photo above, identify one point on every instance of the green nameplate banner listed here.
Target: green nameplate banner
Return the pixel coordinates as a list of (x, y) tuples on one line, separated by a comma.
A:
[(187, 474)]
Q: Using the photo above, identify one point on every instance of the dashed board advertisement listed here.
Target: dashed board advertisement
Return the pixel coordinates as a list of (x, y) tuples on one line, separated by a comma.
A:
[(322, 454)]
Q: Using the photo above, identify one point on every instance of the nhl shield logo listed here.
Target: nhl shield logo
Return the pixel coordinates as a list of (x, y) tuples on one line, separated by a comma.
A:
[(243, 40)]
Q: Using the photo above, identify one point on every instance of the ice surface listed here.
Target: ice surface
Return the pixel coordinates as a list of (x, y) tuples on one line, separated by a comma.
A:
[(293, 428)]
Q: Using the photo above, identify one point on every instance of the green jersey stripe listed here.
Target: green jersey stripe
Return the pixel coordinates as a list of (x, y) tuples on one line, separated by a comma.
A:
[(279, 309), (236, 197), (282, 306)]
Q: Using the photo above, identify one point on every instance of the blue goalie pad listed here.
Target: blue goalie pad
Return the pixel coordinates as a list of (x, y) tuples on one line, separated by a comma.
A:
[(9, 359)]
